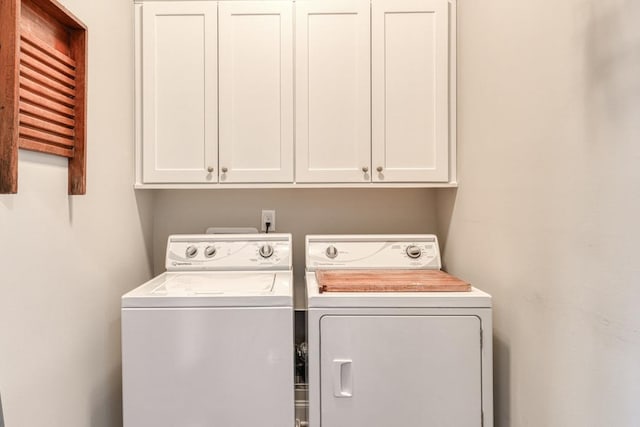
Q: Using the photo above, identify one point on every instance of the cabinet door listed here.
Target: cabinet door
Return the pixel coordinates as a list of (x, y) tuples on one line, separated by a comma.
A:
[(256, 91), (410, 89), (381, 371), (179, 91), (333, 118)]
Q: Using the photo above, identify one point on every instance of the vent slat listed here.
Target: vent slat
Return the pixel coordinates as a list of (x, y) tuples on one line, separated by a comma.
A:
[(48, 61), (41, 78), (45, 114), (44, 48), (46, 103), (46, 137), (42, 90), (44, 147), (46, 69), (45, 125)]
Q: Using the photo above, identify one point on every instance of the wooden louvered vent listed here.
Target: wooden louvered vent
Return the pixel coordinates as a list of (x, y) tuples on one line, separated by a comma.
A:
[(43, 58)]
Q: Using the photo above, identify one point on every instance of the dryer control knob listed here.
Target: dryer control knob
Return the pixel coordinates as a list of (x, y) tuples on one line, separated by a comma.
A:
[(266, 251), (332, 252), (191, 251), (210, 251), (414, 251)]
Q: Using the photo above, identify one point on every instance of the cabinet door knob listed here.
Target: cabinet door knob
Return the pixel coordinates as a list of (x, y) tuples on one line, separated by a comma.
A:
[(224, 170), (379, 168), (210, 169), (365, 169)]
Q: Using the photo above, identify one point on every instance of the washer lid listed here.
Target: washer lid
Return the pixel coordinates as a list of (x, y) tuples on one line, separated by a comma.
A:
[(224, 283), (213, 289)]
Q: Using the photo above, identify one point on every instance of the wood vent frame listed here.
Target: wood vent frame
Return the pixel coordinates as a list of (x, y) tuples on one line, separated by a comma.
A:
[(43, 75)]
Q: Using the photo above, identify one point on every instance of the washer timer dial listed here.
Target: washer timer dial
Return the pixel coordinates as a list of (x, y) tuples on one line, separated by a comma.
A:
[(210, 251), (331, 252), (266, 251), (414, 252), (191, 251)]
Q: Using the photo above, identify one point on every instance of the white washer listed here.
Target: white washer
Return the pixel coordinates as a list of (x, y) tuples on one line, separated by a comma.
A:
[(395, 358), (210, 341)]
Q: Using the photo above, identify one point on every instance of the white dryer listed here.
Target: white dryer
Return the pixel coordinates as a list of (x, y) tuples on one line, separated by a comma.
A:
[(210, 341), (395, 358)]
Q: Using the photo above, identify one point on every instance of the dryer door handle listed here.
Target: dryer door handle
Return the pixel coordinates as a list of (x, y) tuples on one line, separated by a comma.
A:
[(342, 378)]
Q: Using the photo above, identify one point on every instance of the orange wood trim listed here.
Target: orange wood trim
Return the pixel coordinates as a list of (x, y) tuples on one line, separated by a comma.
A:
[(78, 163), (55, 10), (10, 12)]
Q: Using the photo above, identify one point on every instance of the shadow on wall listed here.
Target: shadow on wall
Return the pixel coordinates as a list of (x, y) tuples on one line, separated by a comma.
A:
[(145, 204), (501, 382), (446, 200), (612, 61), (106, 396)]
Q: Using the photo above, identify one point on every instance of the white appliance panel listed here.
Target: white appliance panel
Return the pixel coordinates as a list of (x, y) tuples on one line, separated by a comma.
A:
[(372, 252), (228, 252), (202, 347), (381, 359), (208, 367), (393, 370)]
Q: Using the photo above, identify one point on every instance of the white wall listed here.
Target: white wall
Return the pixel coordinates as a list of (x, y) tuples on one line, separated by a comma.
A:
[(546, 217), (65, 261), (300, 212)]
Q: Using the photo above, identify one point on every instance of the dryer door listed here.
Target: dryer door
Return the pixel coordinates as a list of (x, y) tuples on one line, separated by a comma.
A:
[(381, 371)]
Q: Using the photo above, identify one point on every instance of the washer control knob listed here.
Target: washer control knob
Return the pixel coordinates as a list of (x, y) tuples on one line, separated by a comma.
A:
[(414, 252), (210, 251), (191, 251), (332, 252), (266, 251)]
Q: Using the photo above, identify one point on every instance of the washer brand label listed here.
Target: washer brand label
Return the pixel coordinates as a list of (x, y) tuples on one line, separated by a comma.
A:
[(177, 263)]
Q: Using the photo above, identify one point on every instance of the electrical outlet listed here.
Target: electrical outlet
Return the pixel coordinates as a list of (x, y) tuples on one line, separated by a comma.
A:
[(268, 216)]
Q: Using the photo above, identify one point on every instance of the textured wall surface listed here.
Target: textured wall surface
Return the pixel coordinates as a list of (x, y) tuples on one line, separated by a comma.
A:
[(65, 261), (546, 215)]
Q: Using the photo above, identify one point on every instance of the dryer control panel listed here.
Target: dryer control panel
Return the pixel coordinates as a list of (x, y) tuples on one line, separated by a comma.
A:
[(414, 251), (228, 252)]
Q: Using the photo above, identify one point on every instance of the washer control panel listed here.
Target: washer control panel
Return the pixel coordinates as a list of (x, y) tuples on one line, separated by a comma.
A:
[(373, 252), (229, 252)]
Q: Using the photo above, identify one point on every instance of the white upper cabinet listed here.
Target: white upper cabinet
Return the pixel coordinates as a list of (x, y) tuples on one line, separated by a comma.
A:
[(333, 125), (410, 90), (179, 84), (283, 93), (255, 40)]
